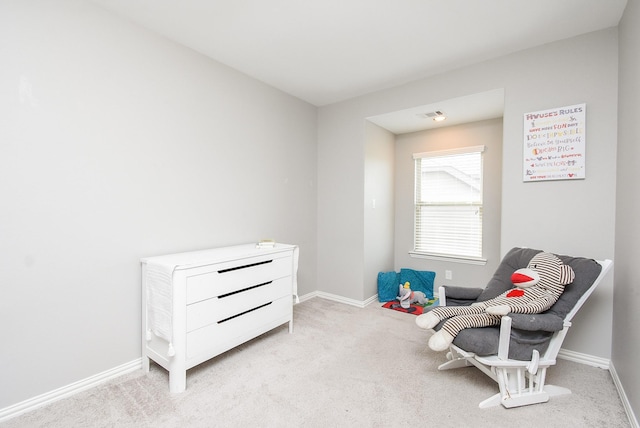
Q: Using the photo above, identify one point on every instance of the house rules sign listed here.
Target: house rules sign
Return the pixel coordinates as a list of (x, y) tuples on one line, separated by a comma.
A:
[(554, 144)]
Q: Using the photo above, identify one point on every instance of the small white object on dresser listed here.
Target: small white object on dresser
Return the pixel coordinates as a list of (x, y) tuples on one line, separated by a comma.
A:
[(199, 304)]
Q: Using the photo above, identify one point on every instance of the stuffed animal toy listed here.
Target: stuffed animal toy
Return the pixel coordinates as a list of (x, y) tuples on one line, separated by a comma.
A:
[(537, 288), (407, 297)]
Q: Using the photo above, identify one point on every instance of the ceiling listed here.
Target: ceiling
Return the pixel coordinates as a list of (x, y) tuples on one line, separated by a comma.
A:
[(326, 51), (470, 108)]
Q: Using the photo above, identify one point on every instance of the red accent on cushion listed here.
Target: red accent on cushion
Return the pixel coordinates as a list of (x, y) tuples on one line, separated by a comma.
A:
[(516, 293), (519, 278)]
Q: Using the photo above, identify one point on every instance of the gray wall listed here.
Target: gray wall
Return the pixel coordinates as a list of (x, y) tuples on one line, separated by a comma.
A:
[(340, 202), (117, 144), (487, 133), (379, 205), (626, 298), (563, 216), (555, 216)]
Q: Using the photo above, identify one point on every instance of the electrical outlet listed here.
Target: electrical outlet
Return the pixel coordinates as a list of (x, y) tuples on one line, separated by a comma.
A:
[(448, 274)]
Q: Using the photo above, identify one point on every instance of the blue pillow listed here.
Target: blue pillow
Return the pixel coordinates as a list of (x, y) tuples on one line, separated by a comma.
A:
[(388, 286), (419, 280)]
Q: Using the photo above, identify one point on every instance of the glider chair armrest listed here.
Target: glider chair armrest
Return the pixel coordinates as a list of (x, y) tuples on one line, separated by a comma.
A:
[(537, 322), (453, 295), (505, 338)]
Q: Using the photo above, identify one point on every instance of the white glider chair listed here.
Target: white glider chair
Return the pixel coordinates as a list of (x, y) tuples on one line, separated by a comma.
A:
[(517, 353)]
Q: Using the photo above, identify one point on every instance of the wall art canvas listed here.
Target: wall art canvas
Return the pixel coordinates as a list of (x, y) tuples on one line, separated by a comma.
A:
[(554, 144)]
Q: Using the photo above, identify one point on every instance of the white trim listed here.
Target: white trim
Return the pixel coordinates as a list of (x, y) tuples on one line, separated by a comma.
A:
[(458, 151), (371, 300), (589, 360), (346, 300), (339, 299), (307, 296), (455, 259), (633, 420), (69, 390)]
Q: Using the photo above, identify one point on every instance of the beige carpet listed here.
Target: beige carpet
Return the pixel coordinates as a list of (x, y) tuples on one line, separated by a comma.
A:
[(342, 367)]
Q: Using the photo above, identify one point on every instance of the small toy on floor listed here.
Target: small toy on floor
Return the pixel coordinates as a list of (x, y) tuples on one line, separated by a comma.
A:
[(407, 297)]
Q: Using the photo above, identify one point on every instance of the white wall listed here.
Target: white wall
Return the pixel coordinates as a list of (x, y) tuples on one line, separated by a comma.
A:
[(485, 132), (626, 316), (379, 206), (574, 217), (116, 144)]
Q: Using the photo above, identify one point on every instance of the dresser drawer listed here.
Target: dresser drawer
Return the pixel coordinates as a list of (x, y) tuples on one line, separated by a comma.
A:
[(222, 307), (229, 278), (220, 336)]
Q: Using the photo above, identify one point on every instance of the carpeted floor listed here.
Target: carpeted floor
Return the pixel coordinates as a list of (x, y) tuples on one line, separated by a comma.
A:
[(342, 367)]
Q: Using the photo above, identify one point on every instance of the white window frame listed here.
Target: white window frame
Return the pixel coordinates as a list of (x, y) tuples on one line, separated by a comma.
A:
[(460, 255)]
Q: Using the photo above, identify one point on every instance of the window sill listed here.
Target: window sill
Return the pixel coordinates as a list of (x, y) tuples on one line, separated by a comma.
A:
[(444, 258)]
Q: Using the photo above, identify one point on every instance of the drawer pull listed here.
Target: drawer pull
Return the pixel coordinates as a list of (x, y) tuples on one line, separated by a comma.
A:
[(242, 313), (244, 266), (222, 296)]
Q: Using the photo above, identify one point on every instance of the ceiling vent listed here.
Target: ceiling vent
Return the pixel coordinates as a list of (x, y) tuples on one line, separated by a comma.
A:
[(430, 114), (435, 115)]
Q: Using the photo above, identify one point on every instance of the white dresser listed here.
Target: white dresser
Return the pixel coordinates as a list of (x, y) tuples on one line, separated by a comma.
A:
[(200, 304)]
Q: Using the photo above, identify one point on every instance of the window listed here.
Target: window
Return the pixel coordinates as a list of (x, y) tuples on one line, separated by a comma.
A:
[(448, 203)]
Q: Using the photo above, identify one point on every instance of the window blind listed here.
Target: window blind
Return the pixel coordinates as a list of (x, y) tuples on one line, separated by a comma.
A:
[(448, 202)]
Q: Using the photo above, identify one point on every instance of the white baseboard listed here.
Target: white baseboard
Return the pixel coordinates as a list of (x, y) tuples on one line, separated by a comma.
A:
[(308, 296), (371, 300), (633, 420), (589, 360), (71, 389), (340, 299)]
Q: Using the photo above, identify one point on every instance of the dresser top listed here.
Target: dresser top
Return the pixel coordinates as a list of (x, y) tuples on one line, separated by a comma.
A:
[(192, 259)]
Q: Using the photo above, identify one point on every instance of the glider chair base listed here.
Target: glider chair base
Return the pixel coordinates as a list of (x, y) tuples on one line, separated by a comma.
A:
[(517, 385)]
